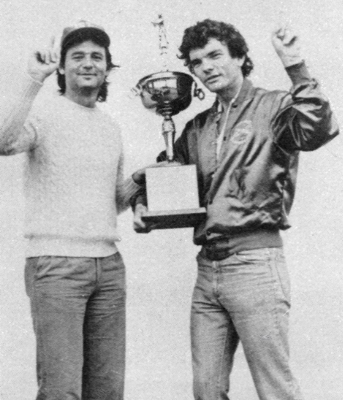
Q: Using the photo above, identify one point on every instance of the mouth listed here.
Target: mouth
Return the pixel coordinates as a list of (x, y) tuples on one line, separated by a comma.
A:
[(212, 78)]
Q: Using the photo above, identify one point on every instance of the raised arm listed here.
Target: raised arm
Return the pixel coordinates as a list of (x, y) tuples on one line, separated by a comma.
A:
[(304, 119), (16, 133)]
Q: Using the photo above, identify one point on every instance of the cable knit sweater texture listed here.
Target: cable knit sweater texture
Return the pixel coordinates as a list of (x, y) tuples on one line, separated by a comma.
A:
[(74, 183)]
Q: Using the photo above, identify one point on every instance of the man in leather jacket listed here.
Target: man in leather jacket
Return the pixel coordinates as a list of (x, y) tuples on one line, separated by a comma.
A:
[(246, 149)]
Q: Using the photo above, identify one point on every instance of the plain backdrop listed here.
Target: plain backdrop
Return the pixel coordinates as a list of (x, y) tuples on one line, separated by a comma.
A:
[(161, 268)]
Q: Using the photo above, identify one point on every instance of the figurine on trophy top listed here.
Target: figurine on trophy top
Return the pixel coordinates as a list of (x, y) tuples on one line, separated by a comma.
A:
[(172, 192)]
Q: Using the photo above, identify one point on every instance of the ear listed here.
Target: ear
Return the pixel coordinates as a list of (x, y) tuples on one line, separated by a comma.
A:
[(107, 73), (240, 61), (61, 70)]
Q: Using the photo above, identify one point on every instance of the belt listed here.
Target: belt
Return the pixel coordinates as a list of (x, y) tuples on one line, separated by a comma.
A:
[(215, 254), (223, 247)]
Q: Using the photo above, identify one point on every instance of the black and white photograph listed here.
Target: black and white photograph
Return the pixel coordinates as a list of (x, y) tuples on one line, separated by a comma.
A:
[(171, 200)]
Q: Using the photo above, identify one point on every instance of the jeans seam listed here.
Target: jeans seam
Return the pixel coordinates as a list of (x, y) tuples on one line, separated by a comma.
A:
[(287, 370), (221, 367), (40, 376)]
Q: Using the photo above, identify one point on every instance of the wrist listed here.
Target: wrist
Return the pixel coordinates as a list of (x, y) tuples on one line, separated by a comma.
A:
[(37, 76), (290, 60)]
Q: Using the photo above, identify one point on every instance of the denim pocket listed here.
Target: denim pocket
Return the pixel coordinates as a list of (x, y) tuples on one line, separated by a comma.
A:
[(281, 274), (52, 266)]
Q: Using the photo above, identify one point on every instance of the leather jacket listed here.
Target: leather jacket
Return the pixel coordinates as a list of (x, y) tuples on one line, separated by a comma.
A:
[(251, 185)]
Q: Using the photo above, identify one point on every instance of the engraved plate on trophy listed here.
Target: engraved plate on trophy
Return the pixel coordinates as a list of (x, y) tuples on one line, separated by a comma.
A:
[(172, 191)]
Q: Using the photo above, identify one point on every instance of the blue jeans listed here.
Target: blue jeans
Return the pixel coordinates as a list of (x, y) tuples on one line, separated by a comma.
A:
[(78, 311), (245, 297)]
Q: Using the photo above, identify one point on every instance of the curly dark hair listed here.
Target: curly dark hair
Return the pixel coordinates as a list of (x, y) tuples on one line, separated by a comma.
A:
[(197, 36), (78, 39)]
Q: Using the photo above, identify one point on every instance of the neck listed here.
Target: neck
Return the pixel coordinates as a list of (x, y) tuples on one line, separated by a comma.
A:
[(86, 98), (227, 94)]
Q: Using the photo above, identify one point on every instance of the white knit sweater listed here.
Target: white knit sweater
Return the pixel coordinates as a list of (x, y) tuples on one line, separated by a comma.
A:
[(74, 183)]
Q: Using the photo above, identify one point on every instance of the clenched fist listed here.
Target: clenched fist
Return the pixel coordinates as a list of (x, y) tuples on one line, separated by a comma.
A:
[(286, 45)]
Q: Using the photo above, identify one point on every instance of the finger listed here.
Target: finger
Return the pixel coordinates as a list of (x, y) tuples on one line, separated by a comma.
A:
[(279, 32), (57, 47), (153, 226), (38, 56), (289, 37), (148, 228), (52, 41), (41, 56), (54, 49), (141, 229), (47, 56), (53, 56), (138, 222)]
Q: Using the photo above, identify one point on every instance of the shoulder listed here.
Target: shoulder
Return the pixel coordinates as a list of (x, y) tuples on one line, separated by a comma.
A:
[(50, 106), (267, 97), (263, 92), (200, 119)]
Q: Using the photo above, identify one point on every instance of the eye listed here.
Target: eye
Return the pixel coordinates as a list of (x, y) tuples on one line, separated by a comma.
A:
[(77, 57), (215, 55), (195, 63), (98, 57)]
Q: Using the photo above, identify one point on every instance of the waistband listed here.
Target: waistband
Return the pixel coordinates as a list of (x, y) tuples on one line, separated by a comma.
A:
[(67, 247), (225, 246)]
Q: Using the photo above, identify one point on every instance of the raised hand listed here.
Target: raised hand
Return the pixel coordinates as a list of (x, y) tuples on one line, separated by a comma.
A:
[(43, 63), (286, 45)]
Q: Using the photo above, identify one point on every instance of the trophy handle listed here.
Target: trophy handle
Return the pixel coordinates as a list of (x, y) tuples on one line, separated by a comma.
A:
[(135, 91), (198, 92)]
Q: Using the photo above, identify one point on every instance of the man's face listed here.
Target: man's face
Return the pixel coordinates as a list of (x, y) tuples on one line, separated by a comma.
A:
[(215, 67), (85, 67)]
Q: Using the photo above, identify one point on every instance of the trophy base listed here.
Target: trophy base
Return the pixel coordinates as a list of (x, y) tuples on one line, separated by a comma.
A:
[(173, 200), (169, 219)]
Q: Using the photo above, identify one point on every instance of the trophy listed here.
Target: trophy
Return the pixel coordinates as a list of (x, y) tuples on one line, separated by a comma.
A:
[(172, 190)]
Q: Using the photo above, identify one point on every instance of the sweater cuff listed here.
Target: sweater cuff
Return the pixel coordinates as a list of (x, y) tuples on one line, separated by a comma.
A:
[(131, 186)]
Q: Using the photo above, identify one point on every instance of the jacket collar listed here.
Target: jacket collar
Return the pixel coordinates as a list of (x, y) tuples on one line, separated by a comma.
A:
[(244, 94)]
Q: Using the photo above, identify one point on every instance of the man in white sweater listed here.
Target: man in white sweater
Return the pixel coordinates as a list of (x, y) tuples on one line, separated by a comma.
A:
[(74, 188)]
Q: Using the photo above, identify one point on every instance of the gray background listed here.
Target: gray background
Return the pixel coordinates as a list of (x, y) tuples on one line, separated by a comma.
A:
[(160, 266)]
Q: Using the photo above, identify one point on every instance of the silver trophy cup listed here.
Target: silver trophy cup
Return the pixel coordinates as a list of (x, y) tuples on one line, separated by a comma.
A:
[(167, 93)]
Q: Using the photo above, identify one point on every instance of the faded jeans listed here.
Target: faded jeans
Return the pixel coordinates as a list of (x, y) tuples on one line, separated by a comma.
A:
[(78, 311), (245, 297)]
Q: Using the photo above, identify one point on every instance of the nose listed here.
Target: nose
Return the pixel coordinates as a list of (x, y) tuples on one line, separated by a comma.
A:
[(207, 65), (87, 62)]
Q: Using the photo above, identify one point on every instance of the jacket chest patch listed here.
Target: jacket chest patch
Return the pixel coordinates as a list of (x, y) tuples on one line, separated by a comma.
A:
[(242, 132)]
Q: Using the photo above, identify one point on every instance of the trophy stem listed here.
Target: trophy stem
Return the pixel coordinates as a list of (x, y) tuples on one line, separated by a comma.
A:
[(168, 131)]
